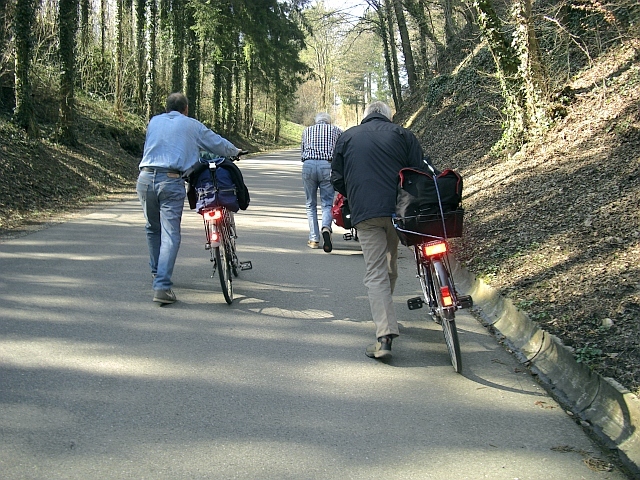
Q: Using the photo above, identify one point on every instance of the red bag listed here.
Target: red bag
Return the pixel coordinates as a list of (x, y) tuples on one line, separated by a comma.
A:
[(340, 211)]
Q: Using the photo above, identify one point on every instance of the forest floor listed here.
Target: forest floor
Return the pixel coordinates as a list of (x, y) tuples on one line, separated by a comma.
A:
[(555, 226)]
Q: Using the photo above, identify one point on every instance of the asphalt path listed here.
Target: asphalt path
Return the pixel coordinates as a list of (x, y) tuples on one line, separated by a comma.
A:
[(99, 382)]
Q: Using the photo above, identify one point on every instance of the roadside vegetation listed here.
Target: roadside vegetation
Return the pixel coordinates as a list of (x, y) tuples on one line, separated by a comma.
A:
[(537, 104)]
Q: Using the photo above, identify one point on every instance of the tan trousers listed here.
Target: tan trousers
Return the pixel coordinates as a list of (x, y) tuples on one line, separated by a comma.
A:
[(379, 243)]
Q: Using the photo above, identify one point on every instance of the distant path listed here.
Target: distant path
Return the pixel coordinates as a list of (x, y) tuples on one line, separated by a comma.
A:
[(97, 381)]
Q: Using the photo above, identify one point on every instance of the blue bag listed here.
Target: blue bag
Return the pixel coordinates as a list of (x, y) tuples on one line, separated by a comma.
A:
[(215, 188)]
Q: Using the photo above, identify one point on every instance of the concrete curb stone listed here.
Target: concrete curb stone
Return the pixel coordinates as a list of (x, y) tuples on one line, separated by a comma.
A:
[(603, 405)]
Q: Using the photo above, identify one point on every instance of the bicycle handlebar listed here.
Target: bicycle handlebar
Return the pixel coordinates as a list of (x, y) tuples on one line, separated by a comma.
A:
[(237, 157)]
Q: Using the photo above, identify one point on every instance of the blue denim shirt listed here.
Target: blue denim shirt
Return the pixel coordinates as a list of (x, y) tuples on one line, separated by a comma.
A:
[(174, 141)]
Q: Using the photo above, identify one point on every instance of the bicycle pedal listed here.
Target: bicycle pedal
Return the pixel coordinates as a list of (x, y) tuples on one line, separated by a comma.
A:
[(347, 236), (415, 303), (246, 265), (465, 301)]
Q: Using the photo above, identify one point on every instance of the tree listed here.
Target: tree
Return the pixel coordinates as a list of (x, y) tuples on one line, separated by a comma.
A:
[(406, 45), (68, 25), (387, 34), (7, 78), (141, 58), (118, 104), (178, 35), (153, 97), (518, 70), (322, 50), (193, 63), (23, 28)]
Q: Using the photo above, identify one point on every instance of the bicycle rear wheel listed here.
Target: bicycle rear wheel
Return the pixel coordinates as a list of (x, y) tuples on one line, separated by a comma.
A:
[(441, 279), (224, 271)]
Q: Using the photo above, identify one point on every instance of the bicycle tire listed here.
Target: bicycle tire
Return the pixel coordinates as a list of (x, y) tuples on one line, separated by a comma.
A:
[(233, 258), (440, 278), (422, 275), (224, 271)]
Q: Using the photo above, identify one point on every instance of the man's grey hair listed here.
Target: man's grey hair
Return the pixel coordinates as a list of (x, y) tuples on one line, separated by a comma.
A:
[(176, 102), (378, 107), (323, 117)]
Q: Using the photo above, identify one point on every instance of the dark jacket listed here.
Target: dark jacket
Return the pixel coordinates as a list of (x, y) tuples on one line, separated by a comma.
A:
[(366, 162)]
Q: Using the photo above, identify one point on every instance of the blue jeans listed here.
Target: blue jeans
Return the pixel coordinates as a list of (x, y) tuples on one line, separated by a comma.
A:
[(316, 174), (162, 199)]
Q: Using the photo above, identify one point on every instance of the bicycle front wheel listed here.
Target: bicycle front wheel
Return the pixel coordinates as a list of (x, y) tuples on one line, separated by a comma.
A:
[(441, 279), (224, 271)]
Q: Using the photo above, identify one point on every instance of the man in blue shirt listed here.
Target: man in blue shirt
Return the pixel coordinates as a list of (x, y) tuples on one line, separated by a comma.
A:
[(173, 144), (317, 151)]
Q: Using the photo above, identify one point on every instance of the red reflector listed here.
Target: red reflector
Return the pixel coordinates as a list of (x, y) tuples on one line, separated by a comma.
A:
[(435, 248), (447, 301), (214, 214)]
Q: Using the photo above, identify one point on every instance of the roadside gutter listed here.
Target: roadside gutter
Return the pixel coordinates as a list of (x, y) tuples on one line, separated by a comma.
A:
[(602, 405)]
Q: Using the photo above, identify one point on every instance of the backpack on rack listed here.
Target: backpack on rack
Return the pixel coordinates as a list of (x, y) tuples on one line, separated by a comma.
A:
[(340, 211), (215, 187), (420, 206)]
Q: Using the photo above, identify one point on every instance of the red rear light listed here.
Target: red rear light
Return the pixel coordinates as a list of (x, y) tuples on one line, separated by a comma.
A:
[(434, 248), (215, 237), (447, 301), (213, 214)]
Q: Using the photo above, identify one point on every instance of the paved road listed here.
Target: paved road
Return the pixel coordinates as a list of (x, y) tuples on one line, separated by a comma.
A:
[(98, 382)]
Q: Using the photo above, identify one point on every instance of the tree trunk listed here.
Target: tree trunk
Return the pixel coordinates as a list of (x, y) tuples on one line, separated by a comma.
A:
[(68, 25), (449, 29), (141, 59), (216, 96), (7, 77), (178, 32), (193, 65), (406, 45), (395, 94), (531, 69), (228, 99), (393, 52), (23, 28), (153, 101), (82, 56), (237, 71), (506, 62), (248, 100), (118, 100)]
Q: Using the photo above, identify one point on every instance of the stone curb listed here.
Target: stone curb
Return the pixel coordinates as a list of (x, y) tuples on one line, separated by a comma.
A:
[(603, 405)]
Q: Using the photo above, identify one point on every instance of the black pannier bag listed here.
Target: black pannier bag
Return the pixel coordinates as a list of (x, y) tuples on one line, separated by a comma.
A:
[(417, 207)]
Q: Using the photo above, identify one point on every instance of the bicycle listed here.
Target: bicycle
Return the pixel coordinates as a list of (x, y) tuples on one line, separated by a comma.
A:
[(221, 238), (433, 270)]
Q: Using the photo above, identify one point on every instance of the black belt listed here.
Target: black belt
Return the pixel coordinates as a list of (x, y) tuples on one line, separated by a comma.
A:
[(159, 170)]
